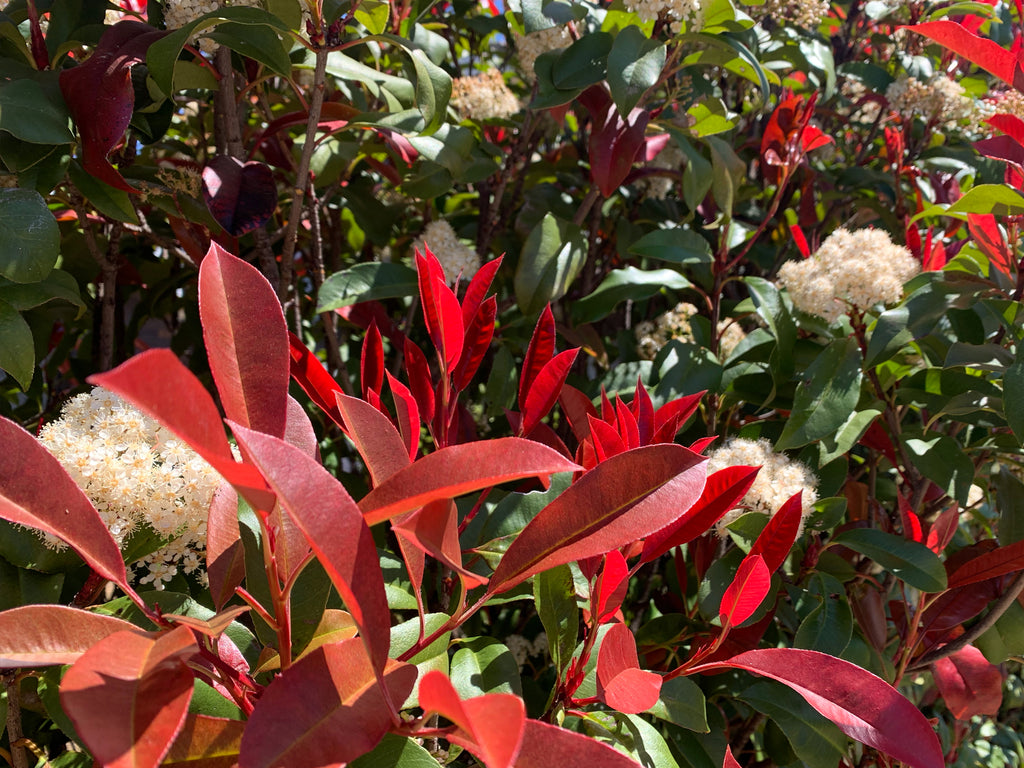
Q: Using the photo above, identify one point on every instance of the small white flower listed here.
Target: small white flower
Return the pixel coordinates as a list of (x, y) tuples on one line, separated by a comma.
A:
[(940, 99), (529, 47), (456, 258), (651, 336), (680, 12), (484, 96), (804, 13)]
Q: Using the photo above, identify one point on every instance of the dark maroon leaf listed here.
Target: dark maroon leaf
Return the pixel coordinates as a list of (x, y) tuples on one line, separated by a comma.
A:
[(615, 142), (241, 196)]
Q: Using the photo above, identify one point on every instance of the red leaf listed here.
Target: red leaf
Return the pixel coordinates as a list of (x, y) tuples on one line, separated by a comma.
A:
[(643, 411), (863, 706), (576, 406), (36, 491), (729, 761), (987, 54), (225, 556), (246, 341), (777, 538), (615, 142), (998, 562), (460, 469), (159, 385), (310, 374), (36, 39), (212, 742), (620, 501), (441, 310), (418, 369), (41, 635), (408, 413), (628, 427), (101, 98), (801, 242), (545, 745), (477, 289), (128, 696), (545, 388), (611, 587), (722, 492), (334, 528), (374, 436), (746, 592), (539, 352), (605, 439), (621, 684), (942, 530), (434, 530), (325, 710), (969, 683), (1001, 148), (986, 235), (1011, 125), (490, 726), (478, 340), (671, 417), (241, 196), (371, 361)]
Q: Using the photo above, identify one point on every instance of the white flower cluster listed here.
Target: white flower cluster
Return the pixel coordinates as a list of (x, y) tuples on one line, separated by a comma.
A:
[(456, 258), (484, 96), (529, 47), (940, 99), (652, 335), (135, 473), (178, 13), (671, 158), (523, 650), (1005, 103), (680, 12), (851, 269), (780, 477), (804, 13)]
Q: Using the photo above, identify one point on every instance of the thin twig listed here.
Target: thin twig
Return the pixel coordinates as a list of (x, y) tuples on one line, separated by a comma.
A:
[(15, 734)]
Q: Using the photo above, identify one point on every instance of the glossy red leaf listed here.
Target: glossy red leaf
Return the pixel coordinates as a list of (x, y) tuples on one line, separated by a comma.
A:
[(325, 710), (334, 527), (986, 235), (611, 586), (1009, 124), (158, 384), (101, 98), (576, 407), (746, 592), (418, 370), (539, 352), (489, 726), (545, 389), (242, 196), (969, 684), (206, 742), (225, 556), (621, 684), (606, 440), (698, 445), (671, 417), (628, 427), (620, 501), (246, 341), (434, 530), (375, 437), (460, 469), (37, 492), (477, 289), (616, 142), (788, 136), (722, 492), (777, 538), (371, 361), (478, 340), (310, 374), (863, 706), (643, 411), (545, 745), (128, 696), (986, 53), (942, 529), (441, 310), (408, 414), (1001, 148), (998, 562), (729, 761), (42, 635)]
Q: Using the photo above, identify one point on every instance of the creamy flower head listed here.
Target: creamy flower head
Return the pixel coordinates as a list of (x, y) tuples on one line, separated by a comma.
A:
[(529, 47), (940, 99), (780, 477), (456, 257), (652, 335), (804, 13), (850, 270), (178, 13), (135, 472), (484, 96), (680, 12)]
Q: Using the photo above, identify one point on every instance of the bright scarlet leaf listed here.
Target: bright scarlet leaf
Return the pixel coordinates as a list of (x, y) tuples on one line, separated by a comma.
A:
[(41, 635), (969, 683), (576, 407), (671, 417), (479, 333), (37, 492), (611, 587), (441, 310), (375, 437), (422, 388), (310, 374), (539, 352), (545, 389), (986, 235), (863, 706), (333, 526), (460, 469), (408, 414), (621, 500), (371, 361), (327, 709), (128, 696), (722, 492), (606, 440), (746, 592), (987, 54), (490, 726), (544, 746), (998, 562), (627, 425), (210, 742), (434, 530), (477, 289), (729, 761), (643, 411), (777, 538), (621, 684)]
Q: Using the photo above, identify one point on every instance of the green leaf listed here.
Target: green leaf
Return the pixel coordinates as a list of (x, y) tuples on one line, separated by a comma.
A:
[(815, 740), (942, 460), (29, 236), (110, 201), (56, 286), (997, 199), (27, 113), (555, 597), (627, 284), (634, 65), (258, 43), (644, 742), (889, 334), (696, 174), (1005, 639), (1013, 394), (728, 173), (826, 397), (675, 245), (396, 752), (682, 703), (831, 447), (552, 256), (709, 117), (584, 62), (1009, 492), (17, 351), (366, 282), (405, 635), (828, 627), (373, 14), (483, 665), (433, 90), (914, 563)]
